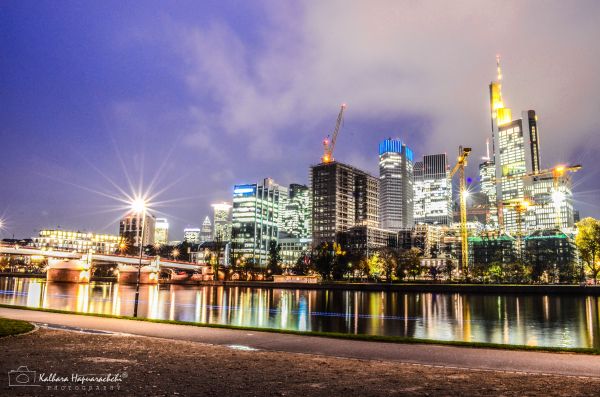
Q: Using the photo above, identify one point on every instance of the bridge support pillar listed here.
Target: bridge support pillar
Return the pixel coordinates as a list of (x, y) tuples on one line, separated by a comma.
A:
[(127, 274), (70, 271)]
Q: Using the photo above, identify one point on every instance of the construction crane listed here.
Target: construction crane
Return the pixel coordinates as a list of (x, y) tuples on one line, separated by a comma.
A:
[(520, 206), (461, 163), (328, 145)]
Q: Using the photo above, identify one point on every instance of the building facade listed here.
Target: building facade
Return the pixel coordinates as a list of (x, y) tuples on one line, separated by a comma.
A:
[(206, 232), (433, 191), (396, 178), (221, 221), (191, 235), (77, 241), (161, 231), (255, 221), (296, 215), (342, 197), (130, 228)]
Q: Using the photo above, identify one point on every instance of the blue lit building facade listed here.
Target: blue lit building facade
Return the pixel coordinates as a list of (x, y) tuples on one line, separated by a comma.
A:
[(255, 219), (396, 179)]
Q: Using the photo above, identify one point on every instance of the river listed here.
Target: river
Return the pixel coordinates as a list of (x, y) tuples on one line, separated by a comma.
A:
[(536, 320)]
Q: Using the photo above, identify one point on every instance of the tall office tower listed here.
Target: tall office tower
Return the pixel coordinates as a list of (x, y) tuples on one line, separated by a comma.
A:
[(342, 197), (553, 202), (255, 220), (206, 232), (130, 228), (487, 181), (419, 193), (433, 191), (191, 235), (516, 153), (221, 221), (296, 216), (161, 231), (396, 185)]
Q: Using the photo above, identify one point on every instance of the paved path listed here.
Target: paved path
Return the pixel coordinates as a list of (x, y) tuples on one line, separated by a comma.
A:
[(437, 355)]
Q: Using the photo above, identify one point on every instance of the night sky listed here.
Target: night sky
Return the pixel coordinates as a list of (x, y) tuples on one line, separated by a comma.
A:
[(189, 98)]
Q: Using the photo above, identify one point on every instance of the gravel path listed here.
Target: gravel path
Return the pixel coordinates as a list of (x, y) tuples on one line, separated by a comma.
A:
[(158, 367)]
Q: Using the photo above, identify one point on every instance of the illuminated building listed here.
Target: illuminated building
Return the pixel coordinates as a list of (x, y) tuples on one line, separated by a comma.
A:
[(396, 185), (130, 231), (255, 220), (364, 238), (432, 190), (552, 255), (191, 235), (222, 221), (296, 215), (77, 241), (552, 203), (342, 197), (206, 233), (161, 231), (516, 152), (487, 183), (293, 248)]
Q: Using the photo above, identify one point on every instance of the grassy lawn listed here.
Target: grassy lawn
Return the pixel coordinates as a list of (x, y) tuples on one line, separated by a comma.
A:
[(13, 327)]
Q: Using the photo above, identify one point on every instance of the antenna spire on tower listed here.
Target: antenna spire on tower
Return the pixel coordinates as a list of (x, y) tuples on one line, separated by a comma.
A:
[(498, 67)]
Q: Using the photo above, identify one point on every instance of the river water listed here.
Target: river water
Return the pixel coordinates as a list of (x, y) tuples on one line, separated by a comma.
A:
[(537, 320)]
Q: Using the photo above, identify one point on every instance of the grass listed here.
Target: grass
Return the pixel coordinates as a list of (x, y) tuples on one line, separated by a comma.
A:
[(14, 327), (334, 335)]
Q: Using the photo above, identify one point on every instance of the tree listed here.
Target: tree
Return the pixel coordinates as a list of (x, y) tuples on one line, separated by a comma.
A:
[(375, 265), (588, 243), (302, 266), (322, 259), (389, 262), (274, 259), (339, 267), (409, 263)]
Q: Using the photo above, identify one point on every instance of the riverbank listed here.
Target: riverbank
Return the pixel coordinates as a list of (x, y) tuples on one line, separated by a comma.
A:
[(317, 334), (143, 366)]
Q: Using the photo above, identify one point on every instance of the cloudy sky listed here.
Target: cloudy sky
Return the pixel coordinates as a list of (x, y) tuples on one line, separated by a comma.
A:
[(188, 98)]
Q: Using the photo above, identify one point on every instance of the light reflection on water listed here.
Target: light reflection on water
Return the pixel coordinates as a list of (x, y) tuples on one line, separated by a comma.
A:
[(567, 321)]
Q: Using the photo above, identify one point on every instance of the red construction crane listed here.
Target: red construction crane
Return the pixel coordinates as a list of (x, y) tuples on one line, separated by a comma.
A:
[(328, 145)]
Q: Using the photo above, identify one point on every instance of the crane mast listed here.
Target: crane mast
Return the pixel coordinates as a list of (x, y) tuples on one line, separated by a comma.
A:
[(328, 145), (461, 163)]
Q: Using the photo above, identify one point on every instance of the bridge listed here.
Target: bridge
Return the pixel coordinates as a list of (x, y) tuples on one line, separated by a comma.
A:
[(72, 266)]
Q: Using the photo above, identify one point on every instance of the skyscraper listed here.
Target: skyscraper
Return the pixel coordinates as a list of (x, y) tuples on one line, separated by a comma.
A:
[(296, 216), (342, 197), (396, 185), (487, 181), (255, 220), (433, 190), (516, 152), (161, 231), (206, 233), (130, 228), (222, 221)]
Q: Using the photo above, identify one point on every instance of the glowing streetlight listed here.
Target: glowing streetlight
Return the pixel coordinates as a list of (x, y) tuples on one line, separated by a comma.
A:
[(558, 198), (138, 206), (175, 253)]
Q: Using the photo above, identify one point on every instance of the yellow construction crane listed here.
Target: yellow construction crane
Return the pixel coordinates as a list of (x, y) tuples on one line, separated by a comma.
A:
[(461, 163), (328, 145), (520, 206)]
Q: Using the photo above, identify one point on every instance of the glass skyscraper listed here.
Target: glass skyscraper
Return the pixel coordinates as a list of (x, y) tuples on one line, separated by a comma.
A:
[(396, 180)]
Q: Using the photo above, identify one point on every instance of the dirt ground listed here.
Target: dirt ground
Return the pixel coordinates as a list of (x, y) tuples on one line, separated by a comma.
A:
[(142, 366)]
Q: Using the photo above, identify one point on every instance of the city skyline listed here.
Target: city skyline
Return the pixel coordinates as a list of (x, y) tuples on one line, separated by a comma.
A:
[(63, 131)]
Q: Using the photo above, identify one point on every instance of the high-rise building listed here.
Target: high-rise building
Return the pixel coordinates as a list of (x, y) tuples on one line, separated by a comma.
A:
[(552, 202), (342, 197), (255, 220), (206, 232), (487, 183), (516, 153), (433, 190), (396, 185), (296, 216), (130, 228), (222, 221), (191, 235), (161, 231)]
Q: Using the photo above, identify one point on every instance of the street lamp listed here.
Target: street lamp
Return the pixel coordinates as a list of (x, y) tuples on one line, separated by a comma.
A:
[(138, 206)]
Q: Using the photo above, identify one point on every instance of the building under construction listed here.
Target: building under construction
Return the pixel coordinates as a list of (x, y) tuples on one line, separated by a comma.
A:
[(342, 197)]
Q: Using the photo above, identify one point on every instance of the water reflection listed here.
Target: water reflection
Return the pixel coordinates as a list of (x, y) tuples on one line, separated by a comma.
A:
[(569, 321)]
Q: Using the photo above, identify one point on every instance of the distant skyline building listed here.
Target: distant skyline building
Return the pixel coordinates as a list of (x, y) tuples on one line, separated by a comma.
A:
[(433, 190), (206, 232), (255, 221), (342, 197), (296, 216), (552, 204), (222, 221), (516, 153), (396, 178), (487, 183), (161, 231), (191, 235), (130, 228), (77, 241)]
